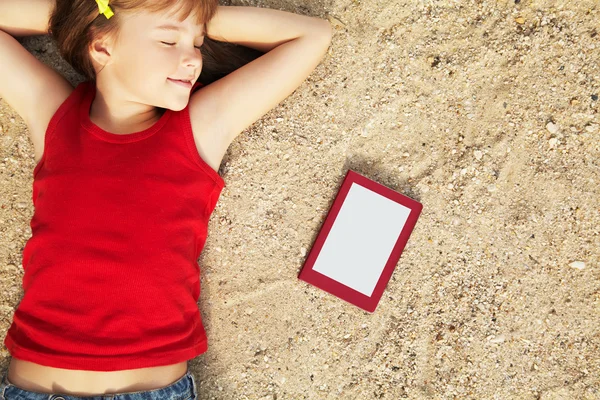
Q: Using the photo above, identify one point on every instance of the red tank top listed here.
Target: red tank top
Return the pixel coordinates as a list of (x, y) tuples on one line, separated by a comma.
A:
[(111, 277)]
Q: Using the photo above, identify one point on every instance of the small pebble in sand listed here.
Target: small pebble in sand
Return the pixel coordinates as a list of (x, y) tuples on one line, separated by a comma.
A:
[(491, 188), (552, 127), (591, 128), (553, 142), (577, 265), (478, 154), (498, 339), (365, 130)]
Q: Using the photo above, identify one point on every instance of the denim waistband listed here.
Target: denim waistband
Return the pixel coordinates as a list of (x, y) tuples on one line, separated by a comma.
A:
[(182, 389)]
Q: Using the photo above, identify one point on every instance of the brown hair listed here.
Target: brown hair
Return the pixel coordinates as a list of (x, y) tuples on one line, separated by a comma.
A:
[(74, 23)]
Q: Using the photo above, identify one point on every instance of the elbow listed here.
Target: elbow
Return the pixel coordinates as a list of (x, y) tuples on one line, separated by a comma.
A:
[(327, 30), (320, 28), (322, 32)]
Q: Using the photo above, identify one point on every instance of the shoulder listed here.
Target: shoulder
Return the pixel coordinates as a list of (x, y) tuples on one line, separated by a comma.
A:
[(211, 142), (47, 108)]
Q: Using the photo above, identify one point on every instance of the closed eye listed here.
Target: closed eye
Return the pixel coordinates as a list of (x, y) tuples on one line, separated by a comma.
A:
[(172, 44)]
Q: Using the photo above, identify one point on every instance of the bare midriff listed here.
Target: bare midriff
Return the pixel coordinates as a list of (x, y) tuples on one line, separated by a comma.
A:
[(42, 379)]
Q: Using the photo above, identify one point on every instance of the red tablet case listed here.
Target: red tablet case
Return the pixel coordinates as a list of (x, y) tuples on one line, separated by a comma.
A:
[(341, 290)]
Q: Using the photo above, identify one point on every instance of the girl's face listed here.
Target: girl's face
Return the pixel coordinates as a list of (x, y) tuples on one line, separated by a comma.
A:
[(153, 48)]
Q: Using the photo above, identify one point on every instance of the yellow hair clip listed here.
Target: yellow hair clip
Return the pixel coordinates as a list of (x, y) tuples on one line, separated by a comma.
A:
[(104, 8)]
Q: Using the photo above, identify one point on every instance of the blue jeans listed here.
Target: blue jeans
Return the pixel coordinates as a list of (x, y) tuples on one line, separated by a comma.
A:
[(183, 389)]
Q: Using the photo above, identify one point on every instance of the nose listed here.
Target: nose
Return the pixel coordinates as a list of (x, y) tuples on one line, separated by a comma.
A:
[(191, 58)]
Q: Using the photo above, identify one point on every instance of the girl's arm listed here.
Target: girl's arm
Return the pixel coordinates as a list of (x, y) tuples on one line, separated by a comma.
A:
[(31, 88), (262, 28), (25, 17), (293, 44)]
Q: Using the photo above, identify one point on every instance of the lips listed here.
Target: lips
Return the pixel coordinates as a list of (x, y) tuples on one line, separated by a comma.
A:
[(183, 83), (191, 78)]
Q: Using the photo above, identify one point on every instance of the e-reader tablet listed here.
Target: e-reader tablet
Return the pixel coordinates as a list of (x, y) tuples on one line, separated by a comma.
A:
[(360, 242)]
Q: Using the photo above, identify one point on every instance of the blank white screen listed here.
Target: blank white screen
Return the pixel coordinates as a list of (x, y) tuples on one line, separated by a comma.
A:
[(361, 239)]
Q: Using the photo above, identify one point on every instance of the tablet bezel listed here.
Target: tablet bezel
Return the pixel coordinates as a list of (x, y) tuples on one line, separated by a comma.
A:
[(324, 282)]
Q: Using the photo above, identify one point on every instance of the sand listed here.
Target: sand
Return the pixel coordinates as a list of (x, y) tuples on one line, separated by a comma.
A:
[(484, 111)]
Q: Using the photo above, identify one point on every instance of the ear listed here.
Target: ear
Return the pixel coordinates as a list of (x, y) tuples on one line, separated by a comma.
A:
[(101, 51)]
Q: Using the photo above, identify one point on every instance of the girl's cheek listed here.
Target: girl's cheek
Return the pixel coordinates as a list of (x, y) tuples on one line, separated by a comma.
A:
[(161, 53)]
